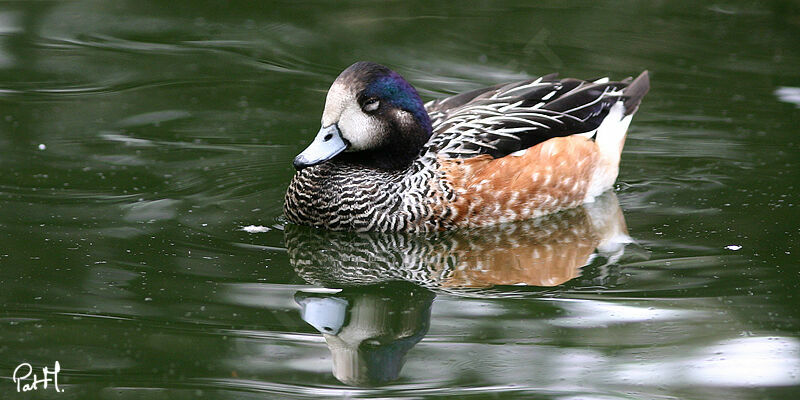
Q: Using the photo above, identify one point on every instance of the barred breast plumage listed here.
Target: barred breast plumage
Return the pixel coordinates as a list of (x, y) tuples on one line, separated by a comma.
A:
[(544, 251), (385, 161)]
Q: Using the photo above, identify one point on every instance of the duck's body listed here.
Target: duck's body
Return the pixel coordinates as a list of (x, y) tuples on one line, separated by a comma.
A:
[(489, 156)]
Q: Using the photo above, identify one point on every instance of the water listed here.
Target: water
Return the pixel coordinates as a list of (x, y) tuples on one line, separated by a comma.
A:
[(138, 138)]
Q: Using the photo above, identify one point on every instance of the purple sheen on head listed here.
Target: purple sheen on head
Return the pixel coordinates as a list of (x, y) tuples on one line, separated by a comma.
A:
[(392, 88)]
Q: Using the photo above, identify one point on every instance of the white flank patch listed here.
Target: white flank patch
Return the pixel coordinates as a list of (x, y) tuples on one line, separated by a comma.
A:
[(611, 132), (256, 229), (610, 139), (602, 80), (519, 153)]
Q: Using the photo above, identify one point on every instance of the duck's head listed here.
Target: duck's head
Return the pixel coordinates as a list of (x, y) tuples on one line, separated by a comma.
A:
[(372, 117)]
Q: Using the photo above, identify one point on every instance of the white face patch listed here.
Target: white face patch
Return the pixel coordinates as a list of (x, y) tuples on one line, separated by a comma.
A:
[(361, 130), (335, 102)]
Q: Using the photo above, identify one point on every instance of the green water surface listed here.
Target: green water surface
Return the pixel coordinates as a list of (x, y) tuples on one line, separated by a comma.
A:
[(139, 138)]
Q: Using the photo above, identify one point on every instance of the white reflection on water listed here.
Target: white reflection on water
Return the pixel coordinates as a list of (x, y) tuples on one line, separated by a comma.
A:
[(789, 95), (147, 211), (751, 361), (593, 314), (607, 346), (9, 23)]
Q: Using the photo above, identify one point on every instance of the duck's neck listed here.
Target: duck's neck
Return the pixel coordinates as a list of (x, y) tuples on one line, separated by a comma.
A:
[(397, 153), (390, 159)]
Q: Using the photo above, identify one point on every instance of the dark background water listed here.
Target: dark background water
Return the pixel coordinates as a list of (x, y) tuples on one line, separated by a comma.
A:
[(137, 138)]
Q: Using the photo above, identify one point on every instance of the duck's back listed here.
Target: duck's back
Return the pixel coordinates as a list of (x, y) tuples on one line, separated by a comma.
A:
[(502, 119), (530, 148)]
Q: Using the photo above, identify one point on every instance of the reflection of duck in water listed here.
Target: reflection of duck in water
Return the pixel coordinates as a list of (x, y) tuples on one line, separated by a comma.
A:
[(371, 324), (369, 330), (547, 251)]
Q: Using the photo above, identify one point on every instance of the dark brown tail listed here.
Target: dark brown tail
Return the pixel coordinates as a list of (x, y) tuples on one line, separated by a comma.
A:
[(635, 92)]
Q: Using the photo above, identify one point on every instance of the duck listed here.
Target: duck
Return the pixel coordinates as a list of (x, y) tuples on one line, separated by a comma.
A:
[(383, 160)]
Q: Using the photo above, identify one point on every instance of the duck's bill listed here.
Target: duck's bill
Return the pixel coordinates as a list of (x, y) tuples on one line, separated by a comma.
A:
[(326, 145)]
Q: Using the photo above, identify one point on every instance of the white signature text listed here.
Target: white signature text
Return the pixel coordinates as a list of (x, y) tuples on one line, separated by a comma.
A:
[(25, 383)]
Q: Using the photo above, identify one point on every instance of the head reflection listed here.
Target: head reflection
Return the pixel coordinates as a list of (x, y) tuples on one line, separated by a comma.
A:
[(369, 330), (371, 324)]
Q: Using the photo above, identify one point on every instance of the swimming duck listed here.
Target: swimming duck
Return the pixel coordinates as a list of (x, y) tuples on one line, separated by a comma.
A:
[(385, 161)]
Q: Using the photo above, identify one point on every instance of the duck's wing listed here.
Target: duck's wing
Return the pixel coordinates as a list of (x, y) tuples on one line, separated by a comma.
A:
[(440, 109), (502, 119)]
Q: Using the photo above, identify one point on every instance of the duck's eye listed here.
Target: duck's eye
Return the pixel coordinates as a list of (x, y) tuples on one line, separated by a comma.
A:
[(371, 105)]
